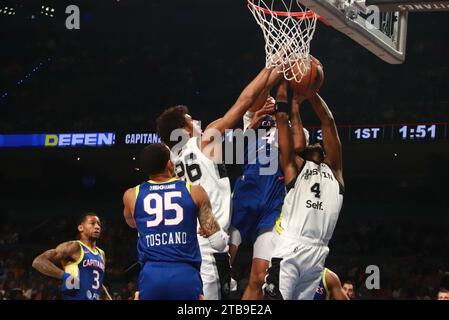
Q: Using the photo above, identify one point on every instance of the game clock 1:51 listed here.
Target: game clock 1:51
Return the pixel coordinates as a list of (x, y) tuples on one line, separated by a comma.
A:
[(418, 132)]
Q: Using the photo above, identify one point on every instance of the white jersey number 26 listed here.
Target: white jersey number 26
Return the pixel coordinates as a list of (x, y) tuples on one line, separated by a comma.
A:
[(191, 168)]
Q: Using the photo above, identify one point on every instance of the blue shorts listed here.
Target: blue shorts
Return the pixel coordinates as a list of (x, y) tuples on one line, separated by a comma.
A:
[(169, 281), (256, 203)]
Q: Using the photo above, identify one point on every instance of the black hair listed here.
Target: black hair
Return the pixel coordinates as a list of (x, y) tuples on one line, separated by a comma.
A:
[(311, 149), (84, 216), (349, 282), (171, 119), (154, 158)]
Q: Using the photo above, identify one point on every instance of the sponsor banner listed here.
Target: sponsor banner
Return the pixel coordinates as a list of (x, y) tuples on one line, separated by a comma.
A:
[(140, 138), (95, 139)]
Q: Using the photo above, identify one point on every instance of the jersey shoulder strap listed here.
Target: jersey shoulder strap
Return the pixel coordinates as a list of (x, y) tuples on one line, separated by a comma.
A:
[(72, 267)]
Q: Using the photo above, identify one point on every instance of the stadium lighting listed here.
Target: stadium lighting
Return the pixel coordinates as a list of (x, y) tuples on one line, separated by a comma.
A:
[(134, 158)]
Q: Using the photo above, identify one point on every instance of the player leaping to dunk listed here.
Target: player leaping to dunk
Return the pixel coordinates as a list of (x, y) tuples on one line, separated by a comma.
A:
[(257, 196), (315, 187), (194, 164)]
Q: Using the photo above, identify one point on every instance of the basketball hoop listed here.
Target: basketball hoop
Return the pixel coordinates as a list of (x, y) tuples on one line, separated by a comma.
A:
[(288, 29)]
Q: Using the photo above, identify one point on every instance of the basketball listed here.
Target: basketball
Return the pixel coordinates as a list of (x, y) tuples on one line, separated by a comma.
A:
[(312, 80)]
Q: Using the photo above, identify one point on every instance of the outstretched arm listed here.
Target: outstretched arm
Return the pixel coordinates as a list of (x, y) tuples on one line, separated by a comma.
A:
[(129, 202), (331, 140), (51, 261), (287, 156), (299, 138), (265, 80)]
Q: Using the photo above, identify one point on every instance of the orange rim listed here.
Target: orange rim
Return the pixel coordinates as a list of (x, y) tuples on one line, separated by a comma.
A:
[(309, 14)]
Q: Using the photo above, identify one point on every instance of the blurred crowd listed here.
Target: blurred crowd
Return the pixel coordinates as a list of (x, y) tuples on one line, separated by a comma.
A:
[(411, 258)]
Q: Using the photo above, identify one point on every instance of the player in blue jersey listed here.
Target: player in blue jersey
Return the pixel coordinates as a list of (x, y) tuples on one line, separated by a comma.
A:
[(79, 264), (164, 210), (257, 196)]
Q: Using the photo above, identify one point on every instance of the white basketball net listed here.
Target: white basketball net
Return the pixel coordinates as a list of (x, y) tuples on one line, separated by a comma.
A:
[(288, 29)]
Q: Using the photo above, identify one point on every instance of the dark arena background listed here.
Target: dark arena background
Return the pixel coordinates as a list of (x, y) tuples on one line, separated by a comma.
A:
[(104, 85)]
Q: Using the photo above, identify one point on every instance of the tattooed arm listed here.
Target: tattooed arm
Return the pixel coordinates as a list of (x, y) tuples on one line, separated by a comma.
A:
[(208, 223), (209, 226), (51, 261)]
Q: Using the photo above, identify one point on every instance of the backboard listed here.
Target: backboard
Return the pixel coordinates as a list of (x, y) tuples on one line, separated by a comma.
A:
[(382, 33)]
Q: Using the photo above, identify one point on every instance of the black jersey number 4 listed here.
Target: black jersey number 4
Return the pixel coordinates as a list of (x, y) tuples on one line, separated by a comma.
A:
[(316, 189)]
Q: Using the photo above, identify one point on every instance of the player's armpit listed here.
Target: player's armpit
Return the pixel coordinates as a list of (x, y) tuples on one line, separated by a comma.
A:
[(129, 201), (48, 262)]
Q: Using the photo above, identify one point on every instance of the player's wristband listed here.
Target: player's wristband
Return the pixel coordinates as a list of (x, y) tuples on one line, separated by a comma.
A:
[(282, 107), (219, 240)]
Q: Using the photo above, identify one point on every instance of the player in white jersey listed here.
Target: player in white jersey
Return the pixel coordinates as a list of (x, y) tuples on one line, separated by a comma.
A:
[(311, 208), (197, 161)]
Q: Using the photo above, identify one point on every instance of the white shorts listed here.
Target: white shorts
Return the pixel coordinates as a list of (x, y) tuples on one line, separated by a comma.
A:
[(264, 245), (210, 278), (215, 273), (295, 268)]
